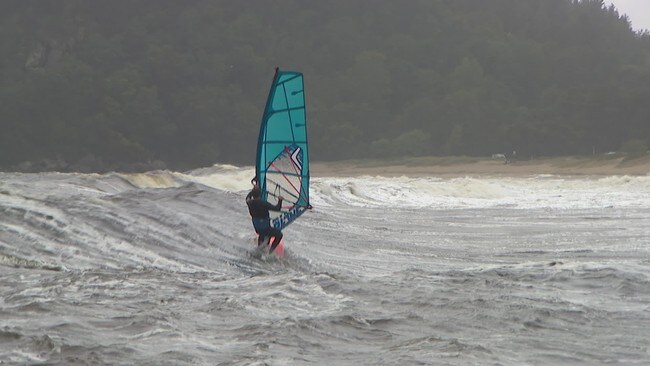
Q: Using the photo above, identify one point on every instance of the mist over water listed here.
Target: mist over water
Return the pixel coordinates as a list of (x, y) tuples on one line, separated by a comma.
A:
[(161, 269)]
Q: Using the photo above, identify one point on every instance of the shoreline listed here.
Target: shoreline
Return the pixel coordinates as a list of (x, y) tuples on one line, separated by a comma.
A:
[(466, 166)]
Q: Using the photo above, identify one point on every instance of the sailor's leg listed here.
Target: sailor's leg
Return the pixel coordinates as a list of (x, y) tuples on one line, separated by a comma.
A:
[(277, 237)]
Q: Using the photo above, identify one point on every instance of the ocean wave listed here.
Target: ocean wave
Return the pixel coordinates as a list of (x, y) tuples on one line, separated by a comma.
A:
[(383, 270), (468, 192)]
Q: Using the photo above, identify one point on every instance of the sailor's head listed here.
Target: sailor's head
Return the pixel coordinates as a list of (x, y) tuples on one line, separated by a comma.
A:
[(256, 192), (254, 181)]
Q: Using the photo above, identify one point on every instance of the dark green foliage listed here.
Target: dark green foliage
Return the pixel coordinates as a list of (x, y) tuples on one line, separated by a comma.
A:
[(115, 84)]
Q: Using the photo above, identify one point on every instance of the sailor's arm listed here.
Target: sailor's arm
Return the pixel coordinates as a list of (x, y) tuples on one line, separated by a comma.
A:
[(278, 206)]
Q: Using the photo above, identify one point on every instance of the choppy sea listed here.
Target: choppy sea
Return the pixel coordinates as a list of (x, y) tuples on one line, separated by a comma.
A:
[(161, 269)]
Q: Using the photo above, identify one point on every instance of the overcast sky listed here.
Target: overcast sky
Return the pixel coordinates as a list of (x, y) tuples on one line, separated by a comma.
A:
[(637, 10)]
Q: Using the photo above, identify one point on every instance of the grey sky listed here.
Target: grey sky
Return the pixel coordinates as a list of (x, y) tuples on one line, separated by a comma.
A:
[(637, 10)]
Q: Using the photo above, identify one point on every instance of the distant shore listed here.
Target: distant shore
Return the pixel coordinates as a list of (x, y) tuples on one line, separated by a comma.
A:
[(469, 166)]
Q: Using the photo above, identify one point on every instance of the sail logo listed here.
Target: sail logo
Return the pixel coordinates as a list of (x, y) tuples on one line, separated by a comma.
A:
[(296, 157), (287, 217)]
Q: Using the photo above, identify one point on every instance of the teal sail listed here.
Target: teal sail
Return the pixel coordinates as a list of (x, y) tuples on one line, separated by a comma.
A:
[(282, 164)]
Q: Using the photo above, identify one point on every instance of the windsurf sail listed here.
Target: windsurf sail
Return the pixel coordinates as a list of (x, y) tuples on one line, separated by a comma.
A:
[(282, 164)]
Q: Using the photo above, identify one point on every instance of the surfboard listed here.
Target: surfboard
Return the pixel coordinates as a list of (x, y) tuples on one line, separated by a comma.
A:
[(282, 160)]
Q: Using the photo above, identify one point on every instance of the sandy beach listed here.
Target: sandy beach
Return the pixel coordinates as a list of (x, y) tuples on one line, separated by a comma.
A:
[(469, 166)]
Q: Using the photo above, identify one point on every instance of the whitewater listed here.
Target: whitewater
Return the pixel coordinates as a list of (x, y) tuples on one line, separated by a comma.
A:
[(160, 268)]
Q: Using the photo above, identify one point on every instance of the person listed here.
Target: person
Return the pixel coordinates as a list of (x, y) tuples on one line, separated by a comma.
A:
[(259, 211)]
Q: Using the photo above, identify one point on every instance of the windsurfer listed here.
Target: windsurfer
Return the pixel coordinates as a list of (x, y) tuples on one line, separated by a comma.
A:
[(259, 210)]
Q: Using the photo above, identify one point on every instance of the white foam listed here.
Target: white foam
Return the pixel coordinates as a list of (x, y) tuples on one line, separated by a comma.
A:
[(522, 192), (223, 177), (461, 192), (156, 179)]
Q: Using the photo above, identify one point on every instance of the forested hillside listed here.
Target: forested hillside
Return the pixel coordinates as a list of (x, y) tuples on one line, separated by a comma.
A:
[(142, 84)]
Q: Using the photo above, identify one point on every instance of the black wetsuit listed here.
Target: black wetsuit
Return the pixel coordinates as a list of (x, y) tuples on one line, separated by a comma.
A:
[(259, 211)]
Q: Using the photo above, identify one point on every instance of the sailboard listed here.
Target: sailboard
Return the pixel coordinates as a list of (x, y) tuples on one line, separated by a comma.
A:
[(282, 162)]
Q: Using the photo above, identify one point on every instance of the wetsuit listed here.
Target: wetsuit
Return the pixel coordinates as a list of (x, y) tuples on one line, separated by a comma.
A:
[(259, 211)]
